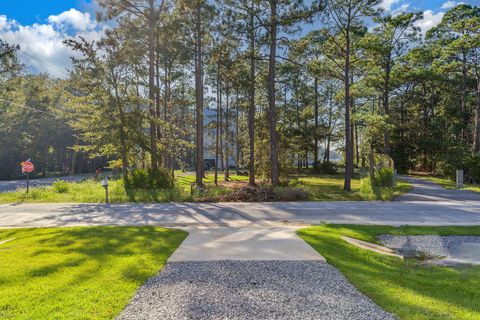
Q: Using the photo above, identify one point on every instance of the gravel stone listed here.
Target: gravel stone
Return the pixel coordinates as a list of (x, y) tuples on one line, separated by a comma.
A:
[(446, 249), (250, 290)]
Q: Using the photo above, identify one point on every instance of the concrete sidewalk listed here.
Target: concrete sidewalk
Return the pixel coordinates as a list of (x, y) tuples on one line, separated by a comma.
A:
[(247, 244)]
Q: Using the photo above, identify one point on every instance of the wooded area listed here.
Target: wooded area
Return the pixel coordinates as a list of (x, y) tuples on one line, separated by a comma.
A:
[(288, 84)]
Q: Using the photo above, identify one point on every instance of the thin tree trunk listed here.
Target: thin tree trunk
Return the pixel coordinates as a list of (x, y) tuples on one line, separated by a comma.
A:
[(463, 97), (157, 95), (237, 140), (222, 160), (357, 152), (151, 83), (217, 127), (476, 137), (386, 108), (251, 107), (199, 99), (348, 137), (315, 151), (272, 111), (227, 136)]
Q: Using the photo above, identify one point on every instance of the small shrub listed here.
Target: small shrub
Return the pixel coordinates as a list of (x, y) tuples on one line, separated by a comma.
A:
[(150, 179), (367, 188), (384, 177), (327, 168), (445, 169), (472, 169), (60, 186)]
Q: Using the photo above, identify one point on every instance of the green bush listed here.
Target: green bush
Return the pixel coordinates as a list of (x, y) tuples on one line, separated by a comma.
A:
[(367, 188), (60, 186), (384, 177), (150, 179), (472, 169), (327, 168), (445, 169)]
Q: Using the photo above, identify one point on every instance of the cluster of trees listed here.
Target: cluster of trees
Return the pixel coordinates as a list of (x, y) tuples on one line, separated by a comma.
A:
[(361, 81), (29, 127)]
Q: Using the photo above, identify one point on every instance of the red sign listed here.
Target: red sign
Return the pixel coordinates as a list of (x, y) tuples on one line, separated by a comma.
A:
[(27, 166)]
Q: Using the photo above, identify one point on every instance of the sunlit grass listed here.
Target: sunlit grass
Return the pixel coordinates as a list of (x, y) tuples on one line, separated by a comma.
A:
[(318, 188), (330, 188), (405, 288), (449, 184), (78, 273)]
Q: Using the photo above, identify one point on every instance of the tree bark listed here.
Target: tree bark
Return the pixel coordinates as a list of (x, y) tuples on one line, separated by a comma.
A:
[(199, 99), (348, 137), (227, 136), (272, 112), (217, 127), (476, 137), (251, 107), (151, 83), (386, 107), (315, 151)]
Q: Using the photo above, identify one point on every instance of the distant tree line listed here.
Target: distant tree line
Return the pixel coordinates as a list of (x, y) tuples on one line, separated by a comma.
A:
[(363, 82)]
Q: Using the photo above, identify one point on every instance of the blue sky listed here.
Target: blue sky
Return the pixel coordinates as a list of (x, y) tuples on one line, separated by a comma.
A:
[(40, 26), (37, 11)]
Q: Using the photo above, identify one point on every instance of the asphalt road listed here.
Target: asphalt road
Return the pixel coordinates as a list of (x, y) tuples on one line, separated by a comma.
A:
[(12, 185), (445, 207)]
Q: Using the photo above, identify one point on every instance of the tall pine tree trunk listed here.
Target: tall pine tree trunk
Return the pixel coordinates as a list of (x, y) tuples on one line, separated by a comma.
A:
[(251, 107), (348, 136), (227, 136), (151, 83), (386, 108), (217, 127), (272, 111), (476, 137), (199, 99), (315, 151)]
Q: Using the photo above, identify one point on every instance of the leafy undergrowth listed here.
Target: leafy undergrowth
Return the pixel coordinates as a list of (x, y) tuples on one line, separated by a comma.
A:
[(405, 288), (300, 187), (78, 273)]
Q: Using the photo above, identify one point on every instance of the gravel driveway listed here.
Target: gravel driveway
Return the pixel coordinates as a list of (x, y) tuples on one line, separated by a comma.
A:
[(250, 290), (448, 249)]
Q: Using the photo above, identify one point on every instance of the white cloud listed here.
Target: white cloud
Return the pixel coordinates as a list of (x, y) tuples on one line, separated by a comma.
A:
[(450, 4), (430, 20), (387, 4), (41, 44), (402, 9), (78, 20)]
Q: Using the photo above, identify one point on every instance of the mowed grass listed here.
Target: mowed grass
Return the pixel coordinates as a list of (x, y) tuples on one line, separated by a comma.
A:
[(330, 188), (78, 273), (90, 191), (449, 184), (405, 288), (318, 188)]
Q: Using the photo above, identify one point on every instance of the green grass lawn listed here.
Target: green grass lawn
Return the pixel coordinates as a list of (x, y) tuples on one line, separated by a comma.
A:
[(80, 272), (405, 288), (449, 184), (318, 188), (330, 188)]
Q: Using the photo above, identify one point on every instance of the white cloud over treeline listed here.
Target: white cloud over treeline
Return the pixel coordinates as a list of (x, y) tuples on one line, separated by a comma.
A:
[(41, 44)]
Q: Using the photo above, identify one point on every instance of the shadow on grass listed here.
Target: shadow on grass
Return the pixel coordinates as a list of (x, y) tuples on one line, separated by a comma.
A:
[(406, 288), (79, 272)]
